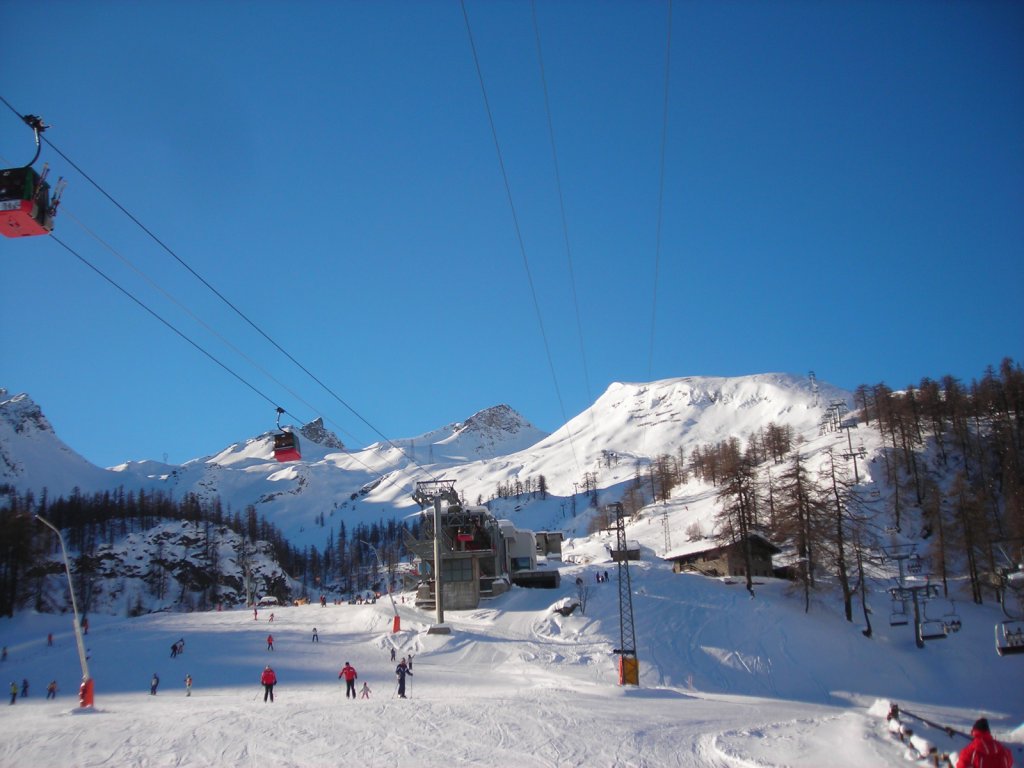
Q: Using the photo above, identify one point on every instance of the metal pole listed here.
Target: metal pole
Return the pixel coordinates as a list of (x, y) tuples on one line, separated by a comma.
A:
[(438, 593), (380, 565), (86, 679)]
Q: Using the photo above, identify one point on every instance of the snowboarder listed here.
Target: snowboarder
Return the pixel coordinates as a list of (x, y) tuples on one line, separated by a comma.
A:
[(188, 685), (392, 653), (400, 672), (153, 683), (349, 673), (14, 691), (174, 650), (181, 646), (270, 642), (316, 637), (984, 751), (51, 690), (271, 618), (269, 680), (364, 692)]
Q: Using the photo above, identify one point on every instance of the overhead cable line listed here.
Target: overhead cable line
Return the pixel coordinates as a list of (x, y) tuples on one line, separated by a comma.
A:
[(661, 191), (126, 261), (206, 352), (519, 233), (167, 323), (561, 201), (219, 295)]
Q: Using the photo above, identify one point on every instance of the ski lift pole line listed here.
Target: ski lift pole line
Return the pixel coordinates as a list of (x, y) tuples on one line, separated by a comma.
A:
[(152, 312), (208, 354), (661, 193), (127, 262), (227, 343), (518, 230), (217, 293), (561, 201)]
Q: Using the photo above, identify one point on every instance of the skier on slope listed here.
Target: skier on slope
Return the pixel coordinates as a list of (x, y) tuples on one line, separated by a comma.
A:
[(349, 673), (269, 680), (400, 672)]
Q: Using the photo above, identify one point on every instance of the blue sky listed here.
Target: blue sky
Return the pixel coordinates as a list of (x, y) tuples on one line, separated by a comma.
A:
[(843, 192)]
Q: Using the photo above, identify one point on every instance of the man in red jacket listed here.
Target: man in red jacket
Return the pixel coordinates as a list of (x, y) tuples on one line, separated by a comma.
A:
[(984, 751), (269, 680), (349, 673)]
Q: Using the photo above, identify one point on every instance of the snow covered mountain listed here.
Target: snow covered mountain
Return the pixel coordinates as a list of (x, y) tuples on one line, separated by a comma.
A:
[(606, 444), (627, 426)]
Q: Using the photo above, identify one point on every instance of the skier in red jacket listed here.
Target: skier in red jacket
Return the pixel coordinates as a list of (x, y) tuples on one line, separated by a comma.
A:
[(984, 751), (269, 680), (349, 673)]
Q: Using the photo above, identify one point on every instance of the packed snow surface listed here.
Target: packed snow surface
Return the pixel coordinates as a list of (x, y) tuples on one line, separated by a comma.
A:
[(726, 681)]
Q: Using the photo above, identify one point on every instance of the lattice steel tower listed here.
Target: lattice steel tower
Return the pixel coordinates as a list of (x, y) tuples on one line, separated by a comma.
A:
[(629, 665)]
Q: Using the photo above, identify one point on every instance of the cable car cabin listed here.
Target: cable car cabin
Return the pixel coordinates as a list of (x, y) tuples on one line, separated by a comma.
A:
[(286, 447), (24, 203), (1010, 637)]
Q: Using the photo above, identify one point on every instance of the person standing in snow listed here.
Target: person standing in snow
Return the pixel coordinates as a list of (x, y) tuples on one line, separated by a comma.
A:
[(392, 653), (174, 650), (51, 690), (984, 751), (269, 680), (153, 684), (270, 642), (24, 687), (349, 673), (188, 685), (400, 672), (14, 691), (316, 637)]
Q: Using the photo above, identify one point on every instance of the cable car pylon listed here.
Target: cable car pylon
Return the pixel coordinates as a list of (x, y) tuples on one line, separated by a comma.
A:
[(629, 665)]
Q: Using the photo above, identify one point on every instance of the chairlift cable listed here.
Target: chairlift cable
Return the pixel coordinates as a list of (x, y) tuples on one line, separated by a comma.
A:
[(661, 192), (219, 295), (518, 231), (561, 201), (227, 342)]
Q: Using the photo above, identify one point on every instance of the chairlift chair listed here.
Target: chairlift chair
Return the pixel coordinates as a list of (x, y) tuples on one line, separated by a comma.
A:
[(933, 630), (951, 620), (1010, 637), (898, 617)]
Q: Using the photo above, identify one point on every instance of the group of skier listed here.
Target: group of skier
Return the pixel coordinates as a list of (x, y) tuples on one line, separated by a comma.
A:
[(268, 679)]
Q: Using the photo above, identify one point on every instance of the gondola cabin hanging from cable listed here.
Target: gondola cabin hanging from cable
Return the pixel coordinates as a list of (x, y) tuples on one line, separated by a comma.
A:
[(286, 442), (26, 206)]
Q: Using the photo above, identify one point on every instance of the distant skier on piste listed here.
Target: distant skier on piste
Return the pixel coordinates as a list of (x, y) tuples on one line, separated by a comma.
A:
[(269, 680), (400, 672), (349, 673)]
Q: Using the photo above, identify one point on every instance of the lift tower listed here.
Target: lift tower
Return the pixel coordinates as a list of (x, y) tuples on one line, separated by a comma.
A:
[(629, 666), (432, 493)]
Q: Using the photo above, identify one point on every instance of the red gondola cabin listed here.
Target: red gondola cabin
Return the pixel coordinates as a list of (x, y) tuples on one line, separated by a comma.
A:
[(286, 447), (24, 203)]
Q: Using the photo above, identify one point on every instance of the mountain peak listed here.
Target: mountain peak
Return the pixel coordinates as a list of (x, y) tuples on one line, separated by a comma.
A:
[(22, 414), (316, 432)]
